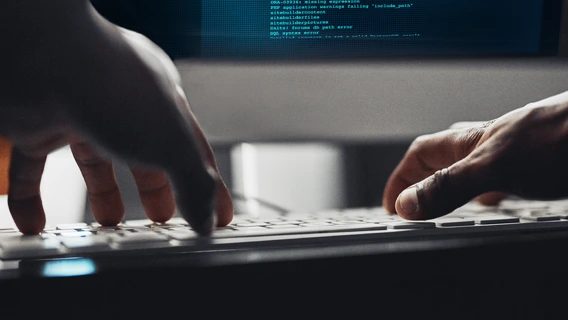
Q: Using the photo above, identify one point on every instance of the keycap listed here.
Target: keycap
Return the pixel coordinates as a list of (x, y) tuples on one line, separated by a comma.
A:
[(281, 226), (64, 226), (285, 222), (180, 235), (560, 212), (248, 225), (248, 228), (316, 224), (245, 232), (18, 247), (137, 239), (453, 222), (140, 222), (496, 219), (541, 216), (410, 224), (381, 220), (85, 244), (317, 221), (75, 234), (178, 221), (340, 222)]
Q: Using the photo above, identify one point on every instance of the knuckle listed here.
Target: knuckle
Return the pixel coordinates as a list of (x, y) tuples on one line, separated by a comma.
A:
[(440, 180), (418, 143), (467, 139), (212, 179), (91, 162), (534, 113)]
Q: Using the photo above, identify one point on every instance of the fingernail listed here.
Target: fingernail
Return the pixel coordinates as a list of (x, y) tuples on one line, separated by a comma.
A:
[(409, 200)]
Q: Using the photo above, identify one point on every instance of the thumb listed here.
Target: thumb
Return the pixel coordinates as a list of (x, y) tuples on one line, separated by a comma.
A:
[(444, 191)]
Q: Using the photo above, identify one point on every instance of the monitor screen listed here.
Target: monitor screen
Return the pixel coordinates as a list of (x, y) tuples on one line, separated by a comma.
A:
[(369, 28), (375, 92), (339, 29)]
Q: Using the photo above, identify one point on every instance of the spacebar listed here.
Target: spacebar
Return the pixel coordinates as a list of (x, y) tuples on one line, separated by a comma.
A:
[(303, 230)]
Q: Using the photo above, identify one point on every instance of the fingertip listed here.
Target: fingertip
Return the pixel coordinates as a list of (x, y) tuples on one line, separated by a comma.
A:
[(107, 208), (109, 221), (491, 198), (28, 215), (31, 228), (407, 204), (225, 209), (196, 198), (206, 226)]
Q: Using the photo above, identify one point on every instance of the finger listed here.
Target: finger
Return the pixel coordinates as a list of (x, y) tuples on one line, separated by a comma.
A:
[(156, 194), (224, 203), (104, 195), (5, 156), (24, 200), (137, 117), (447, 189), (491, 198), (426, 155), (159, 134), (466, 124)]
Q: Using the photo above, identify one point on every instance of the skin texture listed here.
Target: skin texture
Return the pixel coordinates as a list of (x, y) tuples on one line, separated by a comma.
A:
[(522, 153), (73, 78)]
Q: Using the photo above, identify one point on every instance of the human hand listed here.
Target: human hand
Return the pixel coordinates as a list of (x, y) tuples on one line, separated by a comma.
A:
[(522, 153), (111, 94)]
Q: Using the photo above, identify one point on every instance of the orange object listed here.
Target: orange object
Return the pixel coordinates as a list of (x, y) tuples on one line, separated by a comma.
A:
[(5, 156)]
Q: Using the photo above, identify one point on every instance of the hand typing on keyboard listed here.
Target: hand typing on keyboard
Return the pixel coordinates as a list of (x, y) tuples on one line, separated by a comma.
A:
[(522, 153), (71, 77)]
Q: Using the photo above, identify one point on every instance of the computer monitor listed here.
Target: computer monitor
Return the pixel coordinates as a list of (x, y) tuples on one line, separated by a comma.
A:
[(342, 29), (348, 29), (364, 70)]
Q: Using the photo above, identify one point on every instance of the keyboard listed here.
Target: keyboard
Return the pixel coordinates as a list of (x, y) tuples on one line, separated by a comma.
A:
[(276, 229)]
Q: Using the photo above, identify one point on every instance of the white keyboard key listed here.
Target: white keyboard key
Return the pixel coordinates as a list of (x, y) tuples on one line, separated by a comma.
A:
[(139, 239), (65, 226), (453, 222), (340, 222), (86, 244), (107, 230), (316, 224), (248, 225), (75, 234), (541, 217), (180, 235), (9, 230), (18, 247), (245, 232), (249, 228), (274, 223), (318, 221), (141, 222), (399, 225), (496, 219), (381, 220), (283, 226), (178, 221)]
